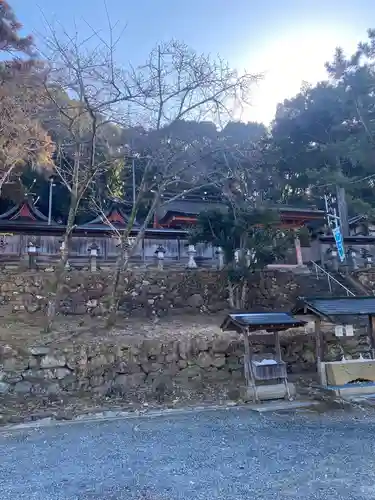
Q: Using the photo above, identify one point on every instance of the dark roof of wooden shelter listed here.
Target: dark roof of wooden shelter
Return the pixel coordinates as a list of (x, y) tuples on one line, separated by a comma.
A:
[(269, 321), (329, 307), (24, 212)]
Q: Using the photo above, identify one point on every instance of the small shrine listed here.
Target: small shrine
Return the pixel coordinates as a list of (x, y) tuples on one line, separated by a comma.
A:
[(346, 374), (265, 374)]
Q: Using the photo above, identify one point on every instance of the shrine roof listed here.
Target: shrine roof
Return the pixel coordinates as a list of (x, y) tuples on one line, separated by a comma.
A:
[(329, 307), (114, 215), (25, 211), (269, 321), (188, 207)]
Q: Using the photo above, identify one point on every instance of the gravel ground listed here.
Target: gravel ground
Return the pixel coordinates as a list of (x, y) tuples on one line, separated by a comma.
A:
[(224, 454)]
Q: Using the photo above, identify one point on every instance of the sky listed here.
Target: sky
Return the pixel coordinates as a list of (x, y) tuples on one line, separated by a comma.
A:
[(286, 40)]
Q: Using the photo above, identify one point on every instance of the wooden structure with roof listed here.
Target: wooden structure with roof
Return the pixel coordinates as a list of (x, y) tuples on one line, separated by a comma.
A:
[(338, 310), (25, 221), (266, 367), (183, 214), (114, 217)]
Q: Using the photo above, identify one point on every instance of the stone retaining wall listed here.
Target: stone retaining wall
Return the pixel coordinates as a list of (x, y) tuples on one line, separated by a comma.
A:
[(367, 278), (148, 292), (139, 366), (125, 369)]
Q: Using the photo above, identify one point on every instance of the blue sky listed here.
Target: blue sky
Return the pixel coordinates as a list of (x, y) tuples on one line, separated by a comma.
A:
[(289, 40)]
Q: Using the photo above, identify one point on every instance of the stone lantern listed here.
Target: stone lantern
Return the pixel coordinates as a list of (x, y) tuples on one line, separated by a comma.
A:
[(191, 254), (32, 252), (333, 256), (93, 255), (220, 257), (352, 254), (368, 258), (160, 253), (237, 256), (250, 258)]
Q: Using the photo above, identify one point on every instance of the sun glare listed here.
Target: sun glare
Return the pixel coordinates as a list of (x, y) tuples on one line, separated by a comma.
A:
[(287, 63)]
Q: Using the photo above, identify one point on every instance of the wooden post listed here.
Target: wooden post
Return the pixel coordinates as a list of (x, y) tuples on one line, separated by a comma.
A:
[(372, 334), (277, 346), (249, 374), (246, 357), (320, 352), (297, 245)]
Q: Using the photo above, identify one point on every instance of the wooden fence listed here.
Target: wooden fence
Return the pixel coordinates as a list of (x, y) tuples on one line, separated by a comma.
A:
[(14, 247)]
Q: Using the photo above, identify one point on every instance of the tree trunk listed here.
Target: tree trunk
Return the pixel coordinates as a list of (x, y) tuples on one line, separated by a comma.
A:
[(243, 294), (122, 261), (231, 294), (60, 272), (59, 275), (121, 264)]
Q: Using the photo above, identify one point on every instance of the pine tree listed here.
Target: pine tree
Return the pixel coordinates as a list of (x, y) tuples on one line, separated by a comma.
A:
[(10, 39)]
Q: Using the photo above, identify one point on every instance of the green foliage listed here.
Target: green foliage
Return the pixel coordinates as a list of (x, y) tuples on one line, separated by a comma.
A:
[(254, 232), (325, 136)]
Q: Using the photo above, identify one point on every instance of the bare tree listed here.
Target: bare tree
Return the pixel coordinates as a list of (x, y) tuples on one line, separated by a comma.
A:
[(177, 84), (84, 89), (87, 90)]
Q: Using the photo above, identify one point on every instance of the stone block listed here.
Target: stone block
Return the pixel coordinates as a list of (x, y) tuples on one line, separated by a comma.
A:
[(33, 362), (204, 360), (152, 347), (342, 373), (72, 382), (151, 367), (77, 360), (171, 369), (190, 372), (221, 345), (184, 349), (23, 387), (96, 380), (98, 362), (53, 388), (103, 390), (171, 357), (129, 381), (53, 361), (15, 364), (45, 387), (61, 373), (128, 367), (218, 361), (195, 301), (202, 344), (4, 387), (36, 374)]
